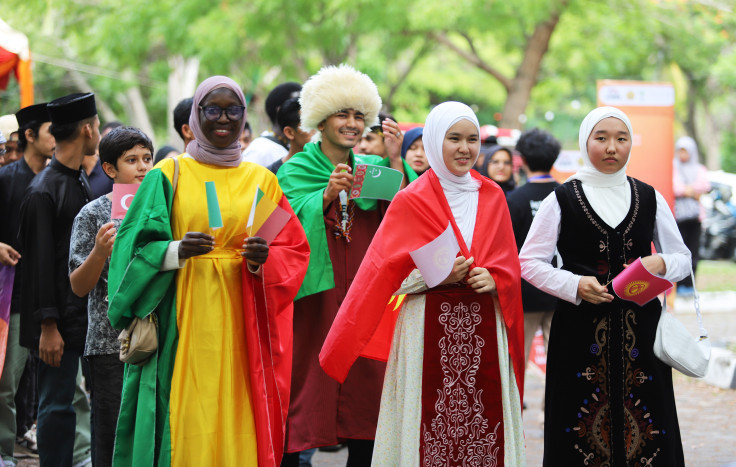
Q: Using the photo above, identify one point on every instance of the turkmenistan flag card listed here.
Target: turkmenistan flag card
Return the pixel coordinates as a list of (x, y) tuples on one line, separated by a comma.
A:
[(375, 182), (266, 218)]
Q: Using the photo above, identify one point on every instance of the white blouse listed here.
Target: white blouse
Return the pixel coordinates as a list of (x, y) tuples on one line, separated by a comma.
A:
[(541, 243)]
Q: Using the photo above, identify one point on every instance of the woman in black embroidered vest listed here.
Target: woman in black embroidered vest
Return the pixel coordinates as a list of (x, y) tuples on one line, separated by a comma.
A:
[(609, 400)]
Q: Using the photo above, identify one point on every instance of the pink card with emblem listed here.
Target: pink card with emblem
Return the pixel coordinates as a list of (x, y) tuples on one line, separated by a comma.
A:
[(638, 285), (122, 196)]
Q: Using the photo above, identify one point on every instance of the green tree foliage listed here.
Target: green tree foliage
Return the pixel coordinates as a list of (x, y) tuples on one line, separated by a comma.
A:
[(419, 53)]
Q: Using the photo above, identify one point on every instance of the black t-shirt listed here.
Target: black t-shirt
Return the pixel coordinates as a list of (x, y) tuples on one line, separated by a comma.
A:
[(276, 165), (523, 204)]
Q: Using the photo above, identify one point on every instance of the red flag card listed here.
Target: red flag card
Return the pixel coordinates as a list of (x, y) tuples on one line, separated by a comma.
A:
[(266, 218), (122, 196), (638, 285)]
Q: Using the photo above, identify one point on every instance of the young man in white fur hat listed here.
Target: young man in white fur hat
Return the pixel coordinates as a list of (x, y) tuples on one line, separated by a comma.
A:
[(342, 104)]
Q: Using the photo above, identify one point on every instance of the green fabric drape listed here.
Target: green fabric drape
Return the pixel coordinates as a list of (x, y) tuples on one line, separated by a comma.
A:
[(138, 287), (304, 178)]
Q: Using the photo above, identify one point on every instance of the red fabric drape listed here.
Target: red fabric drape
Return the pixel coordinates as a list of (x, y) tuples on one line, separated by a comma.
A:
[(11, 63), (417, 215), (268, 303)]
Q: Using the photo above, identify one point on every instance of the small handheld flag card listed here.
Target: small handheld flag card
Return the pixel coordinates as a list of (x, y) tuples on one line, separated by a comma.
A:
[(638, 285), (122, 196), (266, 218), (435, 259), (375, 182), (213, 206)]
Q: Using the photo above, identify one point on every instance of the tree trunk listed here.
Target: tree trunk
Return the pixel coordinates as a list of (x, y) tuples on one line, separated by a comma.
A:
[(106, 114), (182, 84), (404, 69), (690, 101), (136, 109), (711, 156), (528, 71)]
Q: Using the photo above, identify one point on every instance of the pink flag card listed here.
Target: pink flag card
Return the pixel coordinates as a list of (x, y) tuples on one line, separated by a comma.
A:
[(122, 196), (7, 276), (638, 285), (273, 225), (435, 259)]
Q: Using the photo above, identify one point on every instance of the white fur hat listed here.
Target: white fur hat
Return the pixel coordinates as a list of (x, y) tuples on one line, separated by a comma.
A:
[(335, 88)]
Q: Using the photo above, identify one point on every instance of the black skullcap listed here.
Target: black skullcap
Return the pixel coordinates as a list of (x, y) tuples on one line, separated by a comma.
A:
[(278, 96), (32, 113), (72, 108)]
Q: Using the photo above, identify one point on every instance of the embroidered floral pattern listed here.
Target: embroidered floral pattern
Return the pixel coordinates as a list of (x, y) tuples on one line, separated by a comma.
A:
[(593, 425), (603, 245), (628, 243), (459, 434)]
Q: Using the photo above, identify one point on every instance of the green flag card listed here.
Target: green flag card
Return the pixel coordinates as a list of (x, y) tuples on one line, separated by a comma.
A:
[(213, 206), (375, 182)]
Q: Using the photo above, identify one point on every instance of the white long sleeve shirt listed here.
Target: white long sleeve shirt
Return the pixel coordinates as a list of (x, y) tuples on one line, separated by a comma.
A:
[(539, 249)]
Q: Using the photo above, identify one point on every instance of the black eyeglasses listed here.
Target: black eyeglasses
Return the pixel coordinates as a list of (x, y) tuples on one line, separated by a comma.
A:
[(213, 112), (3, 152)]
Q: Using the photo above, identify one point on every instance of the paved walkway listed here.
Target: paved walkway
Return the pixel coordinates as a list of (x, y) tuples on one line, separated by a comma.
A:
[(707, 420), (707, 414)]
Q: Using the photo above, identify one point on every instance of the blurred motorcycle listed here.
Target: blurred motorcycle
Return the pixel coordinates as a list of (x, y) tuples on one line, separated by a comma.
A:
[(718, 237)]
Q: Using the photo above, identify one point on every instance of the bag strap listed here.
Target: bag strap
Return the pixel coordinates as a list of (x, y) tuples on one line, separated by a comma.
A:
[(175, 181), (696, 302)]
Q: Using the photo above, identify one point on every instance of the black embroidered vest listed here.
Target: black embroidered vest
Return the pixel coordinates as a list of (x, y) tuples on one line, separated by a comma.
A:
[(590, 247)]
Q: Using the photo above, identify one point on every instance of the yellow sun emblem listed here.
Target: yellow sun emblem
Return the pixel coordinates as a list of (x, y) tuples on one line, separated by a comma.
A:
[(635, 288)]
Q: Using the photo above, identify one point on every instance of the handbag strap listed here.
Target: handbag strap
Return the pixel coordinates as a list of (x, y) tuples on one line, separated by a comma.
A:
[(696, 302), (175, 181)]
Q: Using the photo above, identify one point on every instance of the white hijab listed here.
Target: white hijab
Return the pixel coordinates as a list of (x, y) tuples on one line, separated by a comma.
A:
[(609, 194), (688, 171), (461, 192)]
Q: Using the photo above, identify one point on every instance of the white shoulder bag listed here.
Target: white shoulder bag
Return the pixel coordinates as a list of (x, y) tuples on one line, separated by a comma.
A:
[(677, 348)]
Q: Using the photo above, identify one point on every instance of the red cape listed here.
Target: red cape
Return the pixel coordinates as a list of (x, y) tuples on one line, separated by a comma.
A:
[(416, 216), (269, 307)]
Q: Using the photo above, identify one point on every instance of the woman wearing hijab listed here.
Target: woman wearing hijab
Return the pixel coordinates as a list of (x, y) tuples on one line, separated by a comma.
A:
[(609, 400), (216, 393), (498, 166), (412, 149), (689, 182), (451, 394)]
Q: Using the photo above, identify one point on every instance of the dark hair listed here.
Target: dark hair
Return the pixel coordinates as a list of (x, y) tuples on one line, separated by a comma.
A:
[(122, 139), (110, 126), (181, 114), (278, 96), (34, 126), (247, 127), (381, 117), (69, 131), (289, 113), (539, 149), (162, 153)]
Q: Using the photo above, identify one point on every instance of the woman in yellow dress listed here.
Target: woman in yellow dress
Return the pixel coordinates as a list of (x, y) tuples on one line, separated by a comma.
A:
[(217, 391)]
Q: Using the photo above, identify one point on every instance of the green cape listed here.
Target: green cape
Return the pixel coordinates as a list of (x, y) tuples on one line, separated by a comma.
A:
[(304, 178), (137, 287)]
